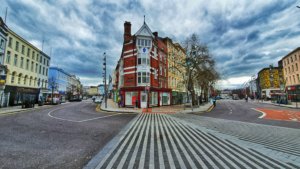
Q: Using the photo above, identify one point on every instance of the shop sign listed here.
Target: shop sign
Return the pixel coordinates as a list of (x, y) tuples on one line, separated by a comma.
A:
[(2, 79), (165, 94), (2, 82), (291, 88)]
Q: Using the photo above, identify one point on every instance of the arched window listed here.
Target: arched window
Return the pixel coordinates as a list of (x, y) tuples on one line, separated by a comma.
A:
[(39, 83), (13, 77), (30, 80), (25, 80), (42, 86), (35, 82), (19, 78)]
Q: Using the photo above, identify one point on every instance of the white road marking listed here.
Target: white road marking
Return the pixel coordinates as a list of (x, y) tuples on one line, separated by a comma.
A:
[(77, 121), (263, 113)]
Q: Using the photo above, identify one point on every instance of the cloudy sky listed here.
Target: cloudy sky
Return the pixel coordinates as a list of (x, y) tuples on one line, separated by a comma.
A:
[(243, 36)]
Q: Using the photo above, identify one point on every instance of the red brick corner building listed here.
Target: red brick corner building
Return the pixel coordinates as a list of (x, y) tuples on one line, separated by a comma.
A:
[(141, 72)]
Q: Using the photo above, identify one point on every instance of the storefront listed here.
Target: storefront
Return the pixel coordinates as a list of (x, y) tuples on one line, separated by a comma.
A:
[(293, 93), (142, 98), (178, 97), (20, 94)]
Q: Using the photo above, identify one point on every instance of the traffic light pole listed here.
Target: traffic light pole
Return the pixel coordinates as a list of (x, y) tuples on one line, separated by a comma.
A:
[(105, 88)]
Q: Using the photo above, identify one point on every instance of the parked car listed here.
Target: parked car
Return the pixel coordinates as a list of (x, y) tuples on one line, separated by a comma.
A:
[(75, 100)]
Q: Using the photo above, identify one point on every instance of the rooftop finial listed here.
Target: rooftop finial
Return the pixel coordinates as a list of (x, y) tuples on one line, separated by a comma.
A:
[(144, 19)]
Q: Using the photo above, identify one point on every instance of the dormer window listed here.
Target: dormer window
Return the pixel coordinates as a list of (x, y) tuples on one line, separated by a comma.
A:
[(144, 42)]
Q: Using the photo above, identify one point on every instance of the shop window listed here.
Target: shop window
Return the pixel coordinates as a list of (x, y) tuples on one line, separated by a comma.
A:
[(130, 98), (154, 98)]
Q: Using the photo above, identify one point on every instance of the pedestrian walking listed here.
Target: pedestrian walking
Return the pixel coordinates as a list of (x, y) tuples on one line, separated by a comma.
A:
[(119, 101), (136, 103)]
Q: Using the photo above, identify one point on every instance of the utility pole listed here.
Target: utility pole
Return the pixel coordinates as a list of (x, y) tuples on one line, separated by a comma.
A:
[(105, 88)]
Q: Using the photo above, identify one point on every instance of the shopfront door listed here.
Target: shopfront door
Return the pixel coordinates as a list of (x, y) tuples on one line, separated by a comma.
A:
[(143, 100)]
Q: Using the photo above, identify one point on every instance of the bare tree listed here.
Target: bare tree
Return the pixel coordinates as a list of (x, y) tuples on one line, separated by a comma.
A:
[(53, 85), (199, 68)]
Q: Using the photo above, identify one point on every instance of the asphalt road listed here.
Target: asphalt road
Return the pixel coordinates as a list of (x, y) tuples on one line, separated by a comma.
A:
[(240, 110), (63, 136)]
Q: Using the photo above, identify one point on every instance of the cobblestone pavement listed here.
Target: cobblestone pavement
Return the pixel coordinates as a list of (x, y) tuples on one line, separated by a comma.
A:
[(190, 141)]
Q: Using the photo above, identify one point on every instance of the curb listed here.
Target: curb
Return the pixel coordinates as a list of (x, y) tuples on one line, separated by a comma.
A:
[(26, 109), (119, 111), (99, 107), (281, 105), (210, 108), (201, 111)]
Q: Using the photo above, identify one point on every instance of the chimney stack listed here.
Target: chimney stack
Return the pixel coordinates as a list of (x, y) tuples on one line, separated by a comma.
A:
[(155, 34), (127, 31)]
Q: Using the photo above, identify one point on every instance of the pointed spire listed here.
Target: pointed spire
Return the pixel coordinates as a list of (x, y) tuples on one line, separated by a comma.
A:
[(144, 19)]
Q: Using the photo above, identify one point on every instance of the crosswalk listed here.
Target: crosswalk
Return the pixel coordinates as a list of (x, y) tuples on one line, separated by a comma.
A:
[(161, 141), (280, 139)]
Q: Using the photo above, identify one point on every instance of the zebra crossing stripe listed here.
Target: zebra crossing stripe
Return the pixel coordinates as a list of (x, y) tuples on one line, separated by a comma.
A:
[(126, 137), (161, 141), (143, 154), (191, 145), (180, 143), (175, 147), (123, 160), (166, 144)]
